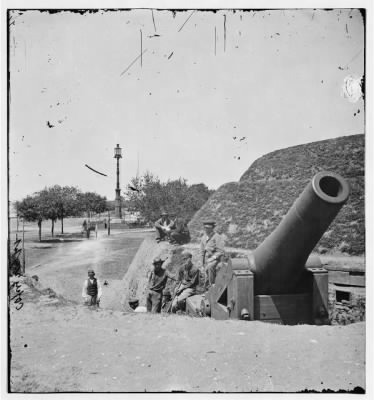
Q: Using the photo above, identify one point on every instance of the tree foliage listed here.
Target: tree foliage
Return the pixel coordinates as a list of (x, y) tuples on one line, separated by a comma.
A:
[(32, 210), (92, 202), (59, 202), (148, 195)]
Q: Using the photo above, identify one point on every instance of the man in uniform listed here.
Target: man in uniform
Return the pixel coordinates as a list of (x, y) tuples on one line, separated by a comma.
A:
[(91, 289), (156, 284), (188, 279), (211, 252), (163, 227)]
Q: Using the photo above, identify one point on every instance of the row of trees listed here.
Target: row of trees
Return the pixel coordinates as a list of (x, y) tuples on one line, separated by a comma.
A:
[(149, 195), (56, 203), (145, 194)]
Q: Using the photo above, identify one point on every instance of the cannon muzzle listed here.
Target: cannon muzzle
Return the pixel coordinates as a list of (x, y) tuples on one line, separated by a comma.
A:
[(278, 263)]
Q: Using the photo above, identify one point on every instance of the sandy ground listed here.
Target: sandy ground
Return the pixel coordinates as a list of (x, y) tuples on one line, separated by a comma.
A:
[(70, 348), (58, 345)]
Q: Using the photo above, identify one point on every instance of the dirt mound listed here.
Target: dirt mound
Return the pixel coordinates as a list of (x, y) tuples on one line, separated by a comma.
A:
[(249, 210), (134, 284), (24, 289)]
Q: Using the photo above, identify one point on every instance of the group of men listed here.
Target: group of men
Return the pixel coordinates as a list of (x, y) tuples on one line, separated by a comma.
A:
[(186, 281), (171, 228)]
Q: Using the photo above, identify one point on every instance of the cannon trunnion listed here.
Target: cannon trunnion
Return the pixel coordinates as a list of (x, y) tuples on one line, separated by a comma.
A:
[(280, 281)]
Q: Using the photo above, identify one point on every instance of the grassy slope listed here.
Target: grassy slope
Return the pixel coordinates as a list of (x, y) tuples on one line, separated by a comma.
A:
[(249, 210)]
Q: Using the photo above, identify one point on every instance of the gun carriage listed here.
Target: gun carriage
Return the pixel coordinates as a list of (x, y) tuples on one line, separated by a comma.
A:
[(280, 281)]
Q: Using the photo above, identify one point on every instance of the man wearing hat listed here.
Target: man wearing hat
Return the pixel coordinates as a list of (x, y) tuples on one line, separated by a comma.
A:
[(211, 251), (163, 226), (156, 284), (188, 278), (91, 289)]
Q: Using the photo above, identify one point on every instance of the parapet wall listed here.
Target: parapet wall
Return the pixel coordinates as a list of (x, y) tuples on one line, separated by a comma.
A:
[(249, 210)]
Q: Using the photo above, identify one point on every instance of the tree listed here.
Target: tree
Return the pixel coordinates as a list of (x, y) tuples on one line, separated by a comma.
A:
[(92, 202), (64, 202), (149, 196), (145, 195), (49, 206), (31, 210)]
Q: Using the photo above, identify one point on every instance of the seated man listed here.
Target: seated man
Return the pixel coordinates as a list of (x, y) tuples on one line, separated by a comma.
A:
[(91, 289), (163, 226), (211, 252), (188, 280), (179, 231), (156, 284)]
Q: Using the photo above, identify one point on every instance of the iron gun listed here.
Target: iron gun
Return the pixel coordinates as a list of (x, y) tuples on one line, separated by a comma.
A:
[(280, 281)]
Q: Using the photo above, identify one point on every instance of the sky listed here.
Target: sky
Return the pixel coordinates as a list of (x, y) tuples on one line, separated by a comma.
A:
[(211, 93)]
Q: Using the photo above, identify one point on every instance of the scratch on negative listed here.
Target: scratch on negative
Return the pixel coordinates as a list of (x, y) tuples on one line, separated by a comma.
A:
[(94, 170), (136, 59), (185, 22)]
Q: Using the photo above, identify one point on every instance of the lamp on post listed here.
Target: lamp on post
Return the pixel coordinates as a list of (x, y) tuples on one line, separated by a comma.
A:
[(118, 155)]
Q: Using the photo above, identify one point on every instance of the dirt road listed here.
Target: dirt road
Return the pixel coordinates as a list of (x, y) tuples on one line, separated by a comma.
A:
[(63, 266)]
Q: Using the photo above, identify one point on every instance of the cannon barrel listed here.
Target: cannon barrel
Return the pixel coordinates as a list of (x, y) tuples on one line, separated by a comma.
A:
[(279, 262)]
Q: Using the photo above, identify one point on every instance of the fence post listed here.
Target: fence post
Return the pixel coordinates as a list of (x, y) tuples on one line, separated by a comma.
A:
[(108, 223), (23, 246)]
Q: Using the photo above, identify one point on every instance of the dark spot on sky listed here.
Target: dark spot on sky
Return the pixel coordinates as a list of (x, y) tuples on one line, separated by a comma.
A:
[(150, 93), (358, 111), (25, 345), (49, 125)]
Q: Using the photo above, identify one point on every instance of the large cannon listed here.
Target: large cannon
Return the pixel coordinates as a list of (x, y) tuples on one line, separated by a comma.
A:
[(279, 281)]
